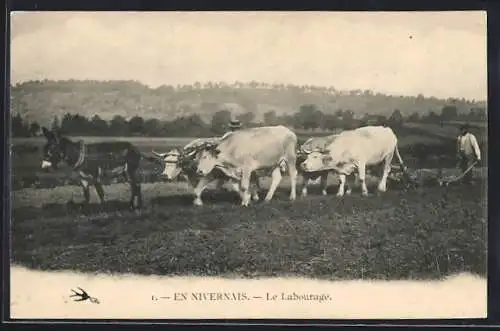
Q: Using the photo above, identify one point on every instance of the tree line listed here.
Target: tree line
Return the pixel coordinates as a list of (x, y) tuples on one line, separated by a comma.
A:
[(41, 100), (307, 117)]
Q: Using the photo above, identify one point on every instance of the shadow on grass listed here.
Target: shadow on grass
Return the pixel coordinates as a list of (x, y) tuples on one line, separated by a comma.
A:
[(208, 197), (211, 198), (110, 206), (69, 208), (216, 197)]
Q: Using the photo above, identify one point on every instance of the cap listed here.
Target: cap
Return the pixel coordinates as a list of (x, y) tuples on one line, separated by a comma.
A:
[(464, 126), (235, 124)]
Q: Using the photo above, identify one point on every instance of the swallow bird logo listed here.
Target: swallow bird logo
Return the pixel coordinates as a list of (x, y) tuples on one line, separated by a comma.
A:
[(82, 296)]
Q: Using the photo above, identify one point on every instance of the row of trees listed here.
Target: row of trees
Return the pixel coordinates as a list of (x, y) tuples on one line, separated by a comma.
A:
[(41, 100), (308, 117), (21, 128)]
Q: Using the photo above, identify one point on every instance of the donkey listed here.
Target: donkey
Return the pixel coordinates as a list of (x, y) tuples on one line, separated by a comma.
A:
[(91, 161)]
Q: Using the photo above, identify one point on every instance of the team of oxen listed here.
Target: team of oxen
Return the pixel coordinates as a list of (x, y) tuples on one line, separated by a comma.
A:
[(239, 159), (242, 157)]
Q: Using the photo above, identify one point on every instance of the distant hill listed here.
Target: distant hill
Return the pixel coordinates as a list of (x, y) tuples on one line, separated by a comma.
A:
[(42, 100)]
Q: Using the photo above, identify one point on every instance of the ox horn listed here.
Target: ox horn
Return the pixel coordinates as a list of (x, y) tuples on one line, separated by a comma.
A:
[(307, 141), (305, 150), (162, 155), (189, 152)]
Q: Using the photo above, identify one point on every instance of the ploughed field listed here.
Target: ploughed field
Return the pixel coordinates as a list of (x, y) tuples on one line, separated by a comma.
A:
[(422, 233)]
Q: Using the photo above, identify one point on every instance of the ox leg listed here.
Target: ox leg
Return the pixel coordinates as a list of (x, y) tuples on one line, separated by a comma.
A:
[(245, 187), (382, 185), (256, 187), (235, 186), (362, 179), (86, 192), (292, 172), (100, 191), (198, 190), (98, 187), (343, 179), (324, 183), (349, 187), (307, 180), (276, 179)]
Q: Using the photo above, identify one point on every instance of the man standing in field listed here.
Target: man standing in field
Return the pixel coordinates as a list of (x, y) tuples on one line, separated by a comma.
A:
[(467, 151)]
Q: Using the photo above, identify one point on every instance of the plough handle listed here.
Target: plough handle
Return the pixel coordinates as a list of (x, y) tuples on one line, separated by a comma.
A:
[(462, 174)]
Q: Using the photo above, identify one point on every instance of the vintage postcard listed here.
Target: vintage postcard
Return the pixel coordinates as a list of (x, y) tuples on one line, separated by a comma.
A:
[(299, 165)]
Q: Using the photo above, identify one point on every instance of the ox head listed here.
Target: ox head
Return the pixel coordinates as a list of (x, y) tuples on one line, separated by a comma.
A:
[(53, 150), (315, 160), (208, 159), (172, 161)]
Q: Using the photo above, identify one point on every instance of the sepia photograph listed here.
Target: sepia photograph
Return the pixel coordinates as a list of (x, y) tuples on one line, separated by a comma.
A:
[(257, 165)]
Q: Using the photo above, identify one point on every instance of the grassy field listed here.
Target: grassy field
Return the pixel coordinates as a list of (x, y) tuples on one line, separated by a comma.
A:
[(421, 233)]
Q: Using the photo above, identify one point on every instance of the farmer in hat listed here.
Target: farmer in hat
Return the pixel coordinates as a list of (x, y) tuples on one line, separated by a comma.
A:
[(233, 126), (467, 151)]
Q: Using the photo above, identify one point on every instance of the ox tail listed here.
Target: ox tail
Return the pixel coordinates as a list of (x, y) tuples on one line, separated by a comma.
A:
[(283, 165), (400, 160), (403, 166)]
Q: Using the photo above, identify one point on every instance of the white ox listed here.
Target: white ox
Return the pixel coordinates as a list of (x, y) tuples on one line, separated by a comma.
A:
[(182, 163), (310, 145), (245, 151), (357, 149)]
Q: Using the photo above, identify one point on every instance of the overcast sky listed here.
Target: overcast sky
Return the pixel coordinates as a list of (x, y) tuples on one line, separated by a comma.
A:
[(441, 53)]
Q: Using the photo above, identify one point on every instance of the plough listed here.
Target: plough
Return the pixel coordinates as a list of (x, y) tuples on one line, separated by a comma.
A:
[(413, 178), (447, 181), (430, 176)]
